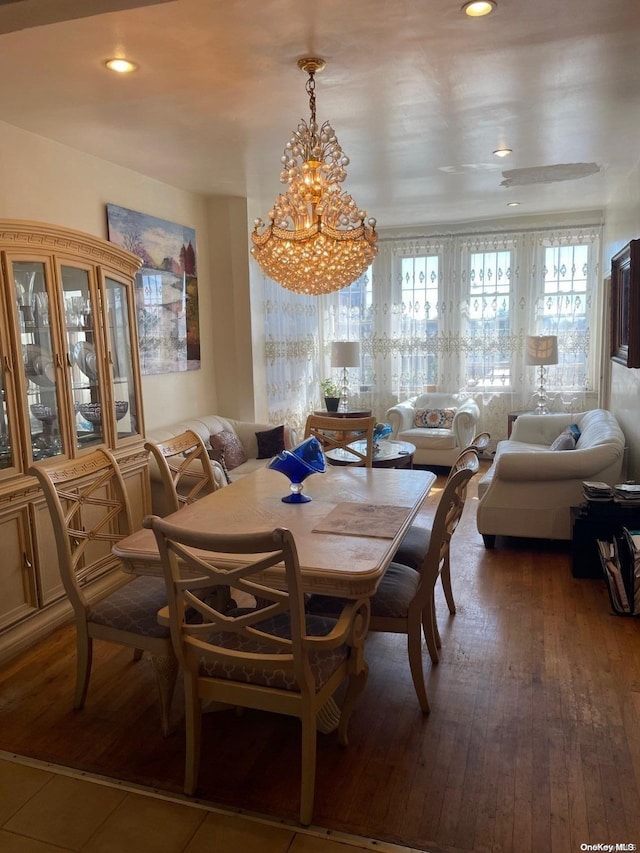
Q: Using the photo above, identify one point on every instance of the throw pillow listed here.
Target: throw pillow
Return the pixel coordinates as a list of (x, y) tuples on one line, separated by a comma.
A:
[(574, 429), (434, 418), (565, 441), (218, 456), (270, 442), (227, 444)]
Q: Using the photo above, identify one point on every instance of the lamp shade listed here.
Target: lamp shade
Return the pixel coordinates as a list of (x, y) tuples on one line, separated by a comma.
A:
[(345, 354), (542, 349)]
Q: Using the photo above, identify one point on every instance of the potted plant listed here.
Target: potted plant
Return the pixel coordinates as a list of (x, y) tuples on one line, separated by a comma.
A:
[(331, 394)]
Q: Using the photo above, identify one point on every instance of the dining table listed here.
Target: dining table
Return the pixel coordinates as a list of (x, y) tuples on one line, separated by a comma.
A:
[(346, 535)]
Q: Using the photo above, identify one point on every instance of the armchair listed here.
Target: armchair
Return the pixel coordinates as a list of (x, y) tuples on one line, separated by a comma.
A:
[(454, 420)]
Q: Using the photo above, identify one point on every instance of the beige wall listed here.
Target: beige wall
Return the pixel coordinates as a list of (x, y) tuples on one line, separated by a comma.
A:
[(231, 329), (44, 181), (622, 224)]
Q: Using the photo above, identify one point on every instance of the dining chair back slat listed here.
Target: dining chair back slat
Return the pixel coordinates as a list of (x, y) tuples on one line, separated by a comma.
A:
[(185, 468), (341, 433)]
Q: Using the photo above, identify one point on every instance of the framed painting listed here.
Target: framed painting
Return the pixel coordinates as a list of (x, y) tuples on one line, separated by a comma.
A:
[(625, 305), (166, 288)]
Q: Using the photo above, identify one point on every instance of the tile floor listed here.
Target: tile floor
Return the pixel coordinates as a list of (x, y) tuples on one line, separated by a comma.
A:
[(45, 808)]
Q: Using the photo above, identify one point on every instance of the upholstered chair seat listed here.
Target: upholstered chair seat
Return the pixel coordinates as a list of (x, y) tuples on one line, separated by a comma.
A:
[(392, 599), (413, 547), (323, 663), (133, 608)]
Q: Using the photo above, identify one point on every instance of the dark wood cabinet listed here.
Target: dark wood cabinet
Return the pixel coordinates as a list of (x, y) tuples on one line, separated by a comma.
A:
[(592, 521)]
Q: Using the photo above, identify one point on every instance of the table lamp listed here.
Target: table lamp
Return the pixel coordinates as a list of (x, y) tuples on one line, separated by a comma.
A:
[(345, 354), (541, 351)]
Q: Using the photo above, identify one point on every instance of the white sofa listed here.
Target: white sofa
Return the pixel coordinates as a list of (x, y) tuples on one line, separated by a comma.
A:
[(435, 446), (529, 489), (205, 426)]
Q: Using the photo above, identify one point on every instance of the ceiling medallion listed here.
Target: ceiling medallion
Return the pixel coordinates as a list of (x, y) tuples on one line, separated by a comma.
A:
[(317, 240)]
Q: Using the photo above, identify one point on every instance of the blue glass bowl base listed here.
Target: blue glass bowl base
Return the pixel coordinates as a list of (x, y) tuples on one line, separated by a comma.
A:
[(297, 498)]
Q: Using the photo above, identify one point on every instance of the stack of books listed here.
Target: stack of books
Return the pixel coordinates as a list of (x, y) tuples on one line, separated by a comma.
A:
[(621, 563), (627, 494), (613, 575), (633, 541), (596, 491)]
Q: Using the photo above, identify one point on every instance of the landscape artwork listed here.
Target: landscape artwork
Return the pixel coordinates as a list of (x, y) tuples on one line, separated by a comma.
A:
[(166, 288)]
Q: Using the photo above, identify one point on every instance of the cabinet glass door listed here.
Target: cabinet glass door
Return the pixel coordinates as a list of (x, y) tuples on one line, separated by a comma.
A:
[(120, 356), (34, 324), (7, 459), (80, 325)]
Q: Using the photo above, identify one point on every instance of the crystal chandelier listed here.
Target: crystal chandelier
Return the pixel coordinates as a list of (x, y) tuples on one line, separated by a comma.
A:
[(317, 240)]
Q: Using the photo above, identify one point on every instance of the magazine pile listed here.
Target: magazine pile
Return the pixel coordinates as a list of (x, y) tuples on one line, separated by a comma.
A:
[(596, 491), (621, 563), (627, 494)]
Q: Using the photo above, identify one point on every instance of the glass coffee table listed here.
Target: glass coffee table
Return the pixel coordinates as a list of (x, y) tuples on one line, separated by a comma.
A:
[(387, 453)]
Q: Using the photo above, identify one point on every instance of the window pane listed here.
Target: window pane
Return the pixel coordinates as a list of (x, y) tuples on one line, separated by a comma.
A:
[(563, 312), (417, 323), (355, 323), (488, 359)]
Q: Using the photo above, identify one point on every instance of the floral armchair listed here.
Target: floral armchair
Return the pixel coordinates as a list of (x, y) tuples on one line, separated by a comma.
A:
[(439, 425)]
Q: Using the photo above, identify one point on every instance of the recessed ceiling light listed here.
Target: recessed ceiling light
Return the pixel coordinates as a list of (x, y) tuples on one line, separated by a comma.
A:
[(121, 66), (503, 152), (478, 8), (513, 204)]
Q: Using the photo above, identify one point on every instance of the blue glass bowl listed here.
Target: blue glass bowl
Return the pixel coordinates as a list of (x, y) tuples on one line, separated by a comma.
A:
[(297, 464), (381, 431)]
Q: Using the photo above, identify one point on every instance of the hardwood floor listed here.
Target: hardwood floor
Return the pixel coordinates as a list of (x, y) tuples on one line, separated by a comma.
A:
[(532, 744)]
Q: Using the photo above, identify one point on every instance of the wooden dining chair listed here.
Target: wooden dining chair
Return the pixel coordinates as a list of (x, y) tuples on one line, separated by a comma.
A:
[(90, 512), (404, 602), (273, 657), (481, 441), (415, 543), (185, 468), (340, 433)]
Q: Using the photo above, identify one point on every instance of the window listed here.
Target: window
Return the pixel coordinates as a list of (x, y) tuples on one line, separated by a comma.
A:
[(562, 311), (417, 323), (454, 310), (488, 321), (354, 322)]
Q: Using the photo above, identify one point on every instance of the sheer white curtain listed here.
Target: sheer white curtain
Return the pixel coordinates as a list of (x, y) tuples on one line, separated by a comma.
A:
[(292, 353), (452, 311)]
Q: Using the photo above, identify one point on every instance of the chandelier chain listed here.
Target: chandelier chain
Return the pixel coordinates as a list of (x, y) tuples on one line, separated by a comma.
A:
[(311, 91)]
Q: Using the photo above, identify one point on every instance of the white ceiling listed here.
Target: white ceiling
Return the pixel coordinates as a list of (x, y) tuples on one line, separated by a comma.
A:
[(418, 93)]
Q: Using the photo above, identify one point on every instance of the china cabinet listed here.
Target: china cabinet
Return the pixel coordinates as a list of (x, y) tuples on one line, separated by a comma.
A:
[(69, 381)]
